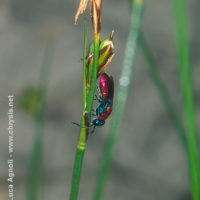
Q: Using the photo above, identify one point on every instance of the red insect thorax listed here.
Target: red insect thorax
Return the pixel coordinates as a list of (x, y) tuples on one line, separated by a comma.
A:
[(104, 115)]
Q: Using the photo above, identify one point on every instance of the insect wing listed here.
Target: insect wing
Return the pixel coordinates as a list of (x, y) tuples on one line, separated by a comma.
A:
[(111, 89)]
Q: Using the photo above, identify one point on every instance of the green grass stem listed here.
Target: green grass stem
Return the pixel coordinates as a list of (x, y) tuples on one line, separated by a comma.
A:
[(187, 93), (163, 91), (85, 119), (83, 131), (77, 173), (122, 94)]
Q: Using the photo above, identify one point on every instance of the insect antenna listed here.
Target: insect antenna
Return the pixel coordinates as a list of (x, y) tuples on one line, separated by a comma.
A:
[(82, 126)]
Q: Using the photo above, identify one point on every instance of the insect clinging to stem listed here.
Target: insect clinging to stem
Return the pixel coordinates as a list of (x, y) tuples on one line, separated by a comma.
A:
[(105, 99)]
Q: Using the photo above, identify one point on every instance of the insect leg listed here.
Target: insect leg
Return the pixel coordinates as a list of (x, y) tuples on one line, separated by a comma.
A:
[(98, 99), (93, 129)]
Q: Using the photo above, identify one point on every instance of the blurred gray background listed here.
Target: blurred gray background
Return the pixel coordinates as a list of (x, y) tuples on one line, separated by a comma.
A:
[(148, 162)]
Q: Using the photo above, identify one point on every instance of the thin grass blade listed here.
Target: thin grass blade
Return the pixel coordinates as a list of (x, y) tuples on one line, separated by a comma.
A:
[(83, 131), (163, 91), (122, 95), (35, 170), (187, 93)]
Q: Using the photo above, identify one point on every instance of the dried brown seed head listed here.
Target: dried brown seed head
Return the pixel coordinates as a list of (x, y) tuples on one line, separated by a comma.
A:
[(81, 9), (95, 12)]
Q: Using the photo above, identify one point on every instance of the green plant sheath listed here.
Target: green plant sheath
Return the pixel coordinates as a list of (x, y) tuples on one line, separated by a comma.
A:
[(120, 102), (90, 96), (187, 94)]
